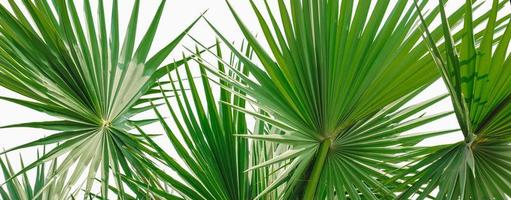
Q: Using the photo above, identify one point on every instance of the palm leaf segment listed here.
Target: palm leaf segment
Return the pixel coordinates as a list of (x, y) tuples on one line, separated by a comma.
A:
[(209, 175), (44, 186), (363, 157), (215, 160), (327, 72), (478, 76), (73, 68)]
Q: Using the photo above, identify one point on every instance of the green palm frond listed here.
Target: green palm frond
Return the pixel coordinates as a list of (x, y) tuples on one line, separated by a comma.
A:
[(75, 68), (44, 186), (329, 85), (328, 72), (478, 76), (370, 153), (362, 161), (214, 161)]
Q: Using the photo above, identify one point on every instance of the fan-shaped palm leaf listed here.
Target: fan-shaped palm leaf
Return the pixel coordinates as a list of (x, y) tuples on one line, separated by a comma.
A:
[(76, 69), (327, 73), (209, 152), (479, 81)]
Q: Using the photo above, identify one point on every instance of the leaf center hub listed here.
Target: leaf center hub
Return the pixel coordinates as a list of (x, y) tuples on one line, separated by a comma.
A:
[(106, 124)]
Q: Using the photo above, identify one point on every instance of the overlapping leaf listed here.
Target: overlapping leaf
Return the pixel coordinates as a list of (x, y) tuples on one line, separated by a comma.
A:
[(75, 68), (332, 65), (44, 187), (329, 100), (478, 76), (204, 138), (362, 161)]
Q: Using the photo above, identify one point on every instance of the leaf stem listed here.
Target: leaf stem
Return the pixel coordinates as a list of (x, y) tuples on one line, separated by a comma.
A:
[(310, 189)]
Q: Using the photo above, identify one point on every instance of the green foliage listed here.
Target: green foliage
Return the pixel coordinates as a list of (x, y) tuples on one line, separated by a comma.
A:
[(329, 85), (74, 69), (320, 87), (214, 159), (45, 186), (478, 76)]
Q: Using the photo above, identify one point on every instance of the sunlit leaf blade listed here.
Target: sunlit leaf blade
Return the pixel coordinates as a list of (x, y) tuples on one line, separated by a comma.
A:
[(364, 158), (40, 186), (92, 79), (326, 67), (478, 79), (210, 161)]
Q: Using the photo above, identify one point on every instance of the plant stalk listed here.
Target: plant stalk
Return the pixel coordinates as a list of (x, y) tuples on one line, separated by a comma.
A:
[(310, 189)]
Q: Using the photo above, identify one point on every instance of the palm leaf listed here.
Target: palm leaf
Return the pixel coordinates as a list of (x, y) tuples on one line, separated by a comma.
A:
[(478, 79), (328, 72), (73, 68), (44, 187), (214, 161)]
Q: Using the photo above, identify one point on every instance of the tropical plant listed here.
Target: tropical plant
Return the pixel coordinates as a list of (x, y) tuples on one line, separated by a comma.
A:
[(82, 75), (221, 166), (329, 87), (478, 76), (321, 88), (43, 188), (215, 161)]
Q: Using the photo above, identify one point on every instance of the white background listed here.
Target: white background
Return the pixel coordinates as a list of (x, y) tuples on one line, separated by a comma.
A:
[(177, 15)]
